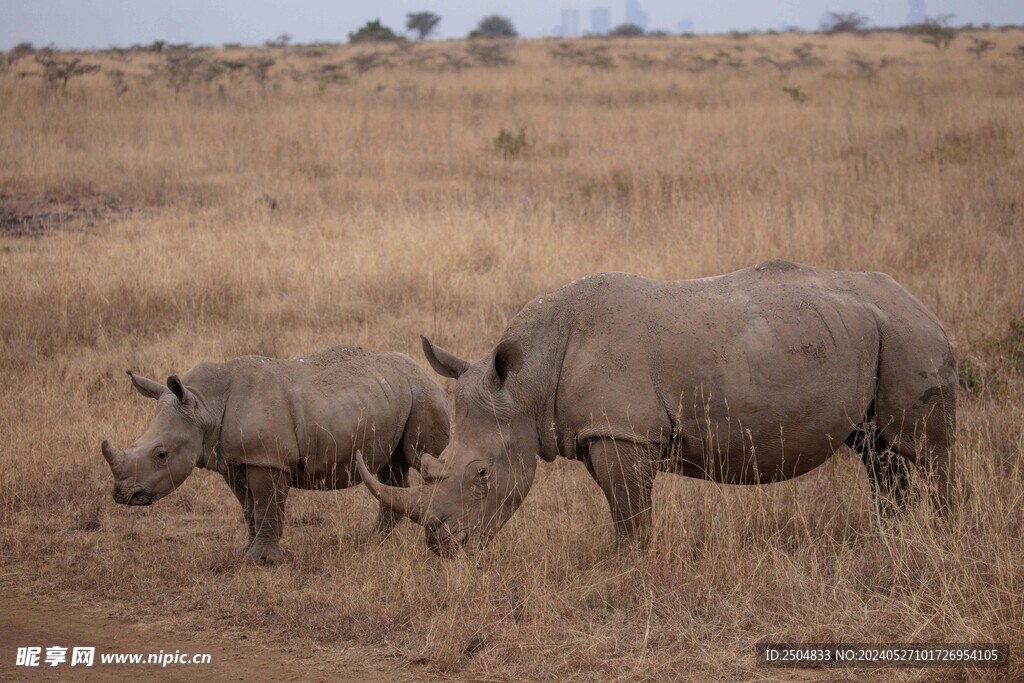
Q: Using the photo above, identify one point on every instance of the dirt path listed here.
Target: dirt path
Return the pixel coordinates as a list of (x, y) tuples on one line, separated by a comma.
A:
[(46, 621)]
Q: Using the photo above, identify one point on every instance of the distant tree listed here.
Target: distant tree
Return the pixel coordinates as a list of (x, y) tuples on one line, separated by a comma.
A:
[(22, 49), (845, 22), (281, 41), (57, 72), (181, 69), (494, 26), (936, 31), (17, 52), (626, 31), (980, 46), (423, 23), (372, 32)]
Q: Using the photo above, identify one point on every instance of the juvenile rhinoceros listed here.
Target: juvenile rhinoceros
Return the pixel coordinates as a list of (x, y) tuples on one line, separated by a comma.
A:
[(267, 425), (751, 377)]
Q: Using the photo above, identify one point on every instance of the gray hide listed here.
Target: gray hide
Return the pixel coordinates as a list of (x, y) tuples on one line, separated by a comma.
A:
[(751, 377), (267, 425)]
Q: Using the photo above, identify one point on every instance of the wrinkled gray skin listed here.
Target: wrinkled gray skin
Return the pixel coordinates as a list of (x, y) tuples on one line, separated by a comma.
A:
[(751, 377), (267, 425)]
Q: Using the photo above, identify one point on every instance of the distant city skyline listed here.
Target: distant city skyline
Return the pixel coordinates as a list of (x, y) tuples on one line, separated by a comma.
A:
[(570, 26), (600, 20), (104, 23), (635, 15), (916, 12)]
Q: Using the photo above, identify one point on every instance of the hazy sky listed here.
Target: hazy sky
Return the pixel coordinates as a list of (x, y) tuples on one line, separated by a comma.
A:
[(102, 23)]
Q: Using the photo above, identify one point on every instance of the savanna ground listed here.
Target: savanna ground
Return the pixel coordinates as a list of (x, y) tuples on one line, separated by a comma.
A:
[(170, 208)]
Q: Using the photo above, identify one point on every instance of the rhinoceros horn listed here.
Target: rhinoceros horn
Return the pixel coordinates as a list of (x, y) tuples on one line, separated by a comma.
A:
[(113, 458), (431, 468), (407, 502)]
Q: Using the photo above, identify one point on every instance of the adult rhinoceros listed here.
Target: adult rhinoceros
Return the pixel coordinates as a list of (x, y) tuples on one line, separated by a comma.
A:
[(751, 377), (267, 425)]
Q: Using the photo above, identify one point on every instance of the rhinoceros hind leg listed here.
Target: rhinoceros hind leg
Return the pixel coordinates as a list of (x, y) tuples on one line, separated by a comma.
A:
[(932, 451), (395, 473), (918, 422), (625, 473), (887, 470), (269, 490)]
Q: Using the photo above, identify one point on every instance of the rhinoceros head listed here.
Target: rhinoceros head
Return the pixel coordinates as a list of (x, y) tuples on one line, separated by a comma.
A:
[(484, 474), (165, 454)]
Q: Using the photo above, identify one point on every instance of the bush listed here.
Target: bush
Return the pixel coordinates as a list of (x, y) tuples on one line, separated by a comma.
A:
[(626, 31), (282, 40), (845, 22), (1009, 347), (974, 377), (936, 31), (980, 46), (494, 26), (57, 72), (509, 145), (796, 93), (373, 32), (489, 54)]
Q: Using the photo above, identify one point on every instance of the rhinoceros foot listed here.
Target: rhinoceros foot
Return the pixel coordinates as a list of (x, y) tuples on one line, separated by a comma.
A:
[(263, 554)]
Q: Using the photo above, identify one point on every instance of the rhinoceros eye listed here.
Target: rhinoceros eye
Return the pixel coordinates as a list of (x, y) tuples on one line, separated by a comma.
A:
[(161, 455), (481, 483)]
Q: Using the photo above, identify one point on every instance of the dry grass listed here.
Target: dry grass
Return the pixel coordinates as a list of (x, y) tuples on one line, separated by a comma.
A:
[(396, 215)]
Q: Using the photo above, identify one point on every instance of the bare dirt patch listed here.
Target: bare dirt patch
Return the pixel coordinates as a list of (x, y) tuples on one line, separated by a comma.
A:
[(44, 621), (28, 216)]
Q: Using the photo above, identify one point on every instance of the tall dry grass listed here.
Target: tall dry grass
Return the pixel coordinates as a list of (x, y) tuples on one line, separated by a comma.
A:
[(395, 216)]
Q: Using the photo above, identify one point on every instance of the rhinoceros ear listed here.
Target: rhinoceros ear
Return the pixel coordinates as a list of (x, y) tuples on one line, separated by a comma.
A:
[(508, 357), (181, 391), (146, 386), (443, 362)]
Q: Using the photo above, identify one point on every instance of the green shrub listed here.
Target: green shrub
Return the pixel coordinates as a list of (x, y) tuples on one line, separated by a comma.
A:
[(974, 376), (510, 145), (373, 32)]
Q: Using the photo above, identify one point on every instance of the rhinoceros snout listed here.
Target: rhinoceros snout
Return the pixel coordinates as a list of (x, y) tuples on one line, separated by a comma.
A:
[(140, 498), (443, 542), (132, 496)]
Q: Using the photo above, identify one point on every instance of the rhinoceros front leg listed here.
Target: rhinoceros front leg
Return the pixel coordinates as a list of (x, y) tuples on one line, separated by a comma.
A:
[(237, 483), (625, 473), (269, 490)]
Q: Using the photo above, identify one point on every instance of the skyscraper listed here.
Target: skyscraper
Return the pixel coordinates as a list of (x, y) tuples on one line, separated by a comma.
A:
[(635, 15), (570, 27), (916, 13), (600, 20)]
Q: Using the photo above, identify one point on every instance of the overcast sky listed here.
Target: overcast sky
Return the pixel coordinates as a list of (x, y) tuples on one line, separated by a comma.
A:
[(102, 23)]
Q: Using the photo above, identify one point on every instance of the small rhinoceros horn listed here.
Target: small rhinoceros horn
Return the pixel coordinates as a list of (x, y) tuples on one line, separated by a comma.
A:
[(113, 458), (431, 468)]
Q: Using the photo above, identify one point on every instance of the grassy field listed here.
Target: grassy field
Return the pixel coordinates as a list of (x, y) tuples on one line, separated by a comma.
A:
[(166, 210)]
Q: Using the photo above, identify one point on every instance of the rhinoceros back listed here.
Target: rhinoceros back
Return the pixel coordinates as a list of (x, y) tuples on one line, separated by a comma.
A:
[(309, 415)]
